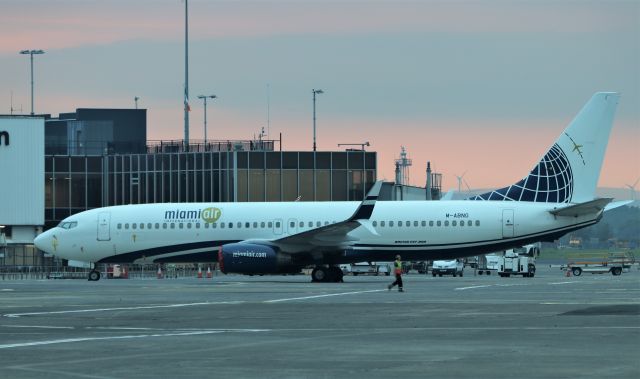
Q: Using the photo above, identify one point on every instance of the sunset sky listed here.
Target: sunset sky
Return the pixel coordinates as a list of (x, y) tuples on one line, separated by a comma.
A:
[(482, 87)]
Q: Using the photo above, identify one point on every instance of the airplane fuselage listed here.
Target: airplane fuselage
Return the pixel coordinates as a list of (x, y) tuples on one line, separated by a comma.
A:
[(418, 229)]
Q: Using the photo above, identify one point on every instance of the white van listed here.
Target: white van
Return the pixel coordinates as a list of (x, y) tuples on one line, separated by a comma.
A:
[(451, 267)]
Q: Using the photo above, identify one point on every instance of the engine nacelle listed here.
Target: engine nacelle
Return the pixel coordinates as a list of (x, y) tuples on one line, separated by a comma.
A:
[(247, 258)]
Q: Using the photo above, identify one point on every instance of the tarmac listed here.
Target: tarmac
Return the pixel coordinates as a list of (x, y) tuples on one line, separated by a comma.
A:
[(549, 326)]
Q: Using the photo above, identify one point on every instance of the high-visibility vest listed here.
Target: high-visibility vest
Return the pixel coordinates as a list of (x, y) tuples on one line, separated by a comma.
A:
[(398, 267)]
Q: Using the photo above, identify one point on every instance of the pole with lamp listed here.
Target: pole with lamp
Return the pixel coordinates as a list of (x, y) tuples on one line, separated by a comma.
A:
[(204, 98), (315, 92), (31, 53)]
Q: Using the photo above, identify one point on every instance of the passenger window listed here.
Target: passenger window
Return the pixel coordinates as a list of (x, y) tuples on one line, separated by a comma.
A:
[(270, 224), (172, 225), (311, 224), (302, 224), (126, 226), (231, 225), (391, 224), (454, 223), (375, 223), (399, 223), (197, 225), (431, 223), (415, 223), (247, 225), (188, 225), (461, 223), (239, 225), (119, 226), (277, 224), (326, 223), (292, 224), (469, 223), (157, 225), (382, 224), (424, 223), (318, 224), (149, 226), (164, 225), (439, 223), (134, 226), (181, 225), (446, 223), (408, 224), (141, 226), (222, 224), (262, 224), (477, 222), (255, 225), (213, 225)]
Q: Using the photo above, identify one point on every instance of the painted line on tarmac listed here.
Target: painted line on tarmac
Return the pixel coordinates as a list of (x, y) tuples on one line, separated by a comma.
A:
[(88, 339), (120, 308), (562, 283), (320, 296), (473, 287), (38, 326)]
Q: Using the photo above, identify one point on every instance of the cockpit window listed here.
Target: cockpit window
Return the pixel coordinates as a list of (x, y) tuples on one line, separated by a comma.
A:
[(68, 224)]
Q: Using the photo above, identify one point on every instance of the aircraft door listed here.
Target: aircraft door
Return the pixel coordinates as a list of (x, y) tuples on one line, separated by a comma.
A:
[(292, 226), (507, 223), (104, 224), (277, 226)]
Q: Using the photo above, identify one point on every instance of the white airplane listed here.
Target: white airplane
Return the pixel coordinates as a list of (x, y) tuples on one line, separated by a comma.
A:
[(557, 197)]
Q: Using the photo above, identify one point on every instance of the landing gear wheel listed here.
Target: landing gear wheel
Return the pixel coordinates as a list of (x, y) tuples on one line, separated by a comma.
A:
[(94, 276), (616, 271), (461, 274), (336, 274), (319, 274), (576, 271)]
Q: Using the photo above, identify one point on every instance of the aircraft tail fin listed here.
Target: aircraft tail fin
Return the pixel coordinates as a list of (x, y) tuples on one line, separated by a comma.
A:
[(569, 171)]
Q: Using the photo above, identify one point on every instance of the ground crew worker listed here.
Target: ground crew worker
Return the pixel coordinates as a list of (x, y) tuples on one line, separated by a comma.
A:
[(397, 270)]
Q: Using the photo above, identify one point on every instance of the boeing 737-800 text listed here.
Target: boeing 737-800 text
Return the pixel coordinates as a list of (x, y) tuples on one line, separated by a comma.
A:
[(556, 197)]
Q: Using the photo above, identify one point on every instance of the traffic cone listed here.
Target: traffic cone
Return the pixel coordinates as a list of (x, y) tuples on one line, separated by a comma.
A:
[(199, 272), (568, 274), (209, 275), (159, 272), (125, 274)]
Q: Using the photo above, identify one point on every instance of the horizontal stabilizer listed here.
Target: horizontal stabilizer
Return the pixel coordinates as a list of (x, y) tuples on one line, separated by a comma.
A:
[(590, 207), (617, 204)]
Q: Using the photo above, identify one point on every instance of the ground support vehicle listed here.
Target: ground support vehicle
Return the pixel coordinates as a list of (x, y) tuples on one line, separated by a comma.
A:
[(486, 264), (368, 268), (514, 264), (614, 263), (453, 267)]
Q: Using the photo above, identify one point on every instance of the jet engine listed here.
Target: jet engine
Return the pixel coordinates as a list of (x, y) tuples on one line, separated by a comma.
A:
[(254, 259)]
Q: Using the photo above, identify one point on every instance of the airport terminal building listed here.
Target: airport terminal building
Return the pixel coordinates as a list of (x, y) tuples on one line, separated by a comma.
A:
[(54, 167)]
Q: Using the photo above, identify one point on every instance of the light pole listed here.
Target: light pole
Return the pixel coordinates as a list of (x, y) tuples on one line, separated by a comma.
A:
[(187, 108), (315, 91), (205, 97), (31, 53), (136, 101)]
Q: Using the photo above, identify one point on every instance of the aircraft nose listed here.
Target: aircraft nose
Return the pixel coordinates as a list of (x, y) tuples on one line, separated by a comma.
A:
[(43, 242)]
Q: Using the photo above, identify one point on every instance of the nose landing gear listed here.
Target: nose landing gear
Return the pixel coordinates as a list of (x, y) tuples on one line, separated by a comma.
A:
[(329, 274)]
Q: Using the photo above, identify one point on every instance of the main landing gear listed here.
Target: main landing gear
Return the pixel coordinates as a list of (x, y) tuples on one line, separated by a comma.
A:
[(94, 276), (329, 274)]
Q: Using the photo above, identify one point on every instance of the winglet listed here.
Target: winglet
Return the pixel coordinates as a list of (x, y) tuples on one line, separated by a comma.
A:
[(365, 209)]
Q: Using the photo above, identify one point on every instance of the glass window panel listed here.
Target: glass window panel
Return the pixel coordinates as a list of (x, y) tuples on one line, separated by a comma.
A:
[(306, 185), (273, 185), (289, 185), (94, 190), (356, 160), (242, 186), (290, 160), (323, 185), (256, 159), (356, 186), (61, 164), (243, 160), (370, 160), (256, 185), (323, 160), (273, 160), (339, 187), (306, 160), (339, 160)]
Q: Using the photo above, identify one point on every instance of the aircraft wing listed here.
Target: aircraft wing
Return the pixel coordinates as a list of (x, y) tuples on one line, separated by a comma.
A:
[(586, 208), (334, 236)]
